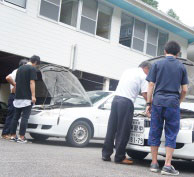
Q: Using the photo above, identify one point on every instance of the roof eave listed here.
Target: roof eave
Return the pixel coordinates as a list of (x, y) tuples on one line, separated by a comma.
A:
[(161, 15)]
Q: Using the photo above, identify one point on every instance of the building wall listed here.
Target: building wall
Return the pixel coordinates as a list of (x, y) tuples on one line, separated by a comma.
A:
[(4, 92), (25, 33)]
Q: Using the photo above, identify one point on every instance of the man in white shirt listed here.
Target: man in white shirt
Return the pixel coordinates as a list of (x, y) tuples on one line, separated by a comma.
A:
[(132, 82), (11, 80)]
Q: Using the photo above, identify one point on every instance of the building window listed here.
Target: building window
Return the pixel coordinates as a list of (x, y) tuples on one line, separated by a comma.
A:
[(89, 16), (104, 21), (50, 9), (20, 3), (139, 35), (69, 11), (93, 23), (162, 40), (152, 41), (95, 17), (126, 30)]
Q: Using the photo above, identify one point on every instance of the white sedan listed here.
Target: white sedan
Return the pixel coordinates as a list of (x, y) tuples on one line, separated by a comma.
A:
[(74, 118)]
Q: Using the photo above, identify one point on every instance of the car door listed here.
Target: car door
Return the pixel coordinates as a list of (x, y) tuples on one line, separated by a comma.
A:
[(102, 117)]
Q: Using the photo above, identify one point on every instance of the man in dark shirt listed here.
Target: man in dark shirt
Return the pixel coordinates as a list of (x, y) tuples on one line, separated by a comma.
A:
[(165, 78), (24, 98)]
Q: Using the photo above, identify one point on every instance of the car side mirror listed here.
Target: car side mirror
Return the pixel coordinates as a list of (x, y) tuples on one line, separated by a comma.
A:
[(106, 106)]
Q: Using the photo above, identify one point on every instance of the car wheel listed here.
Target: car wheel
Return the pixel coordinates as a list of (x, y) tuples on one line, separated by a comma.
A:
[(79, 134), (137, 154), (39, 136)]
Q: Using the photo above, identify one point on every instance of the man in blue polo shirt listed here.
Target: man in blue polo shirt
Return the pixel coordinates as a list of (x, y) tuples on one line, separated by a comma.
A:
[(165, 78)]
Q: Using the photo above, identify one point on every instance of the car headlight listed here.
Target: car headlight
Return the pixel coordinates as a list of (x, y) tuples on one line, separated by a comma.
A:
[(186, 125)]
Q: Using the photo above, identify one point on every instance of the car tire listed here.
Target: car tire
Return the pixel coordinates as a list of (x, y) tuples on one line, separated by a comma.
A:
[(79, 134), (137, 154), (39, 136)]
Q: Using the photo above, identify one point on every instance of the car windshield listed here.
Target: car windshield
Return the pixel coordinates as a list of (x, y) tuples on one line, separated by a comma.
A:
[(94, 96)]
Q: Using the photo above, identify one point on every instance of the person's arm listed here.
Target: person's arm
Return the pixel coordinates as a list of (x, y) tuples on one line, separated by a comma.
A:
[(144, 94), (151, 86), (184, 89), (11, 81), (184, 85), (32, 88)]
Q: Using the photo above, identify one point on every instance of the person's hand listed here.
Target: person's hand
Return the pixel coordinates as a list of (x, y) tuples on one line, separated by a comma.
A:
[(13, 89), (33, 99), (148, 111)]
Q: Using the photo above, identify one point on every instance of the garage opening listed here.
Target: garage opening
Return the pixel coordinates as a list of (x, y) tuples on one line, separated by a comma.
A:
[(8, 63)]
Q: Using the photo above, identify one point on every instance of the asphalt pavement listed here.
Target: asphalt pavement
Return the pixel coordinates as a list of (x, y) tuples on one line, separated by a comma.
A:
[(53, 158)]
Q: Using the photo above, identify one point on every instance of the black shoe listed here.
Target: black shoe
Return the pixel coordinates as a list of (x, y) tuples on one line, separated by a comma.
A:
[(154, 168), (169, 170), (13, 139), (107, 159), (19, 140)]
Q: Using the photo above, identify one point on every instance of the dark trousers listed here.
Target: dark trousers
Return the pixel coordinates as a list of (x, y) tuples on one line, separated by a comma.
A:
[(10, 114), (119, 127), (25, 111)]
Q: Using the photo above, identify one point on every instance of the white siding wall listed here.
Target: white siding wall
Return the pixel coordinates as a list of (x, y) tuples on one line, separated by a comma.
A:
[(25, 34)]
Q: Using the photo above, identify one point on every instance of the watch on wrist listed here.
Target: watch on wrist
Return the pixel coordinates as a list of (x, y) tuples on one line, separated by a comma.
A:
[(148, 104)]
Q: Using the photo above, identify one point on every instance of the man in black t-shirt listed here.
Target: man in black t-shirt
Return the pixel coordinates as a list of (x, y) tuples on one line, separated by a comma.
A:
[(24, 98)]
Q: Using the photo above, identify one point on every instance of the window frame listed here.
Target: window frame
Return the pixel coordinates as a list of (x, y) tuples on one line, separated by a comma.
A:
[(47, 18), (14, 6), (58, 19), (156, 52), (145, 37), (110, 22), (96, 20), (79, 16), (160, 31), (132, 34)]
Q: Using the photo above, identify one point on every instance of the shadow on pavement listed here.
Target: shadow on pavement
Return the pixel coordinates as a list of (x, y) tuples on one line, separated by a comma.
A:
[(62, 142)]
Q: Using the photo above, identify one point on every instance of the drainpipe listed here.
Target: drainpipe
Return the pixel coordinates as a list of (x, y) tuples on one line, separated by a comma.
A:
[(106, 84), (73, 57)]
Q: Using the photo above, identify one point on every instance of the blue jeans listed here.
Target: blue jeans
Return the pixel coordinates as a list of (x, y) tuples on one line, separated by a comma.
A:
[(10, 114), (171, 116), (25, 112)]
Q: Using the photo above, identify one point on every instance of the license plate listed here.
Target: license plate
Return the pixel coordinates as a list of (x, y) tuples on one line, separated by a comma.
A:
[(136, 138), (137, 126)]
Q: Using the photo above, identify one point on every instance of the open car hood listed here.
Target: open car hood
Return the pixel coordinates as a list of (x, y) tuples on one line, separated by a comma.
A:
[(189, 65), (62, 84)]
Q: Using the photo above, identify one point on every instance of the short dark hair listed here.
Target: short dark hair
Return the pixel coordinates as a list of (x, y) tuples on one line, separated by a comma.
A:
[(145, 64), (172, 47), (23, 62), (34, 59)]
